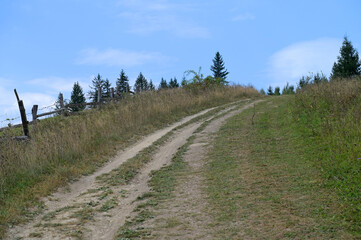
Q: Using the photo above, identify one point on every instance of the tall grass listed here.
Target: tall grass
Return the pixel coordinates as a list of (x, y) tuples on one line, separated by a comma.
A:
[(329, 115), (62, 149)]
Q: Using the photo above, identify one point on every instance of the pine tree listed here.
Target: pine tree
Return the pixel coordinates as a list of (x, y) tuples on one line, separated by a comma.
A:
[(151, 85), (57, 103), (348, 63), (184, 81), (106, 89), (218, 68), (122, 83), (173, 83), (97, 82), (277, 91), (163, 84), (77, 97), (141, 84), (270, 91)]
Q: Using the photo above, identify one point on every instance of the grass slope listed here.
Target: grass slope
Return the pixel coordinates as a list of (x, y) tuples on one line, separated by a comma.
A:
[(63, 149), (262, 183)]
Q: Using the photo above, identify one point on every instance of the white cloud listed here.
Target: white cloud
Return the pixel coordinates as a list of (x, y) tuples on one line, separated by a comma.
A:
[(57, 84), (243, 17), (290, 63), (146, 17), (119, 58)]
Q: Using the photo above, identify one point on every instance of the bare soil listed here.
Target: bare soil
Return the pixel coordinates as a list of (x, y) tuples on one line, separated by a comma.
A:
[(90, 209)]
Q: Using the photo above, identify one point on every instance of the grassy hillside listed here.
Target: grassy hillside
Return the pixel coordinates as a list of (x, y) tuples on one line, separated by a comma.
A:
[(328, 116), (62, 149)]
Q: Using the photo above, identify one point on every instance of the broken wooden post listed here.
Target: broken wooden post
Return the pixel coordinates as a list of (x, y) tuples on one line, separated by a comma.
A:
[(34, 112), (24, 121)]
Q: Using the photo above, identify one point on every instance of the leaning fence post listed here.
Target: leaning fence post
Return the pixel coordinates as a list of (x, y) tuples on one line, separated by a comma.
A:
[(34, 112), (22, 114)]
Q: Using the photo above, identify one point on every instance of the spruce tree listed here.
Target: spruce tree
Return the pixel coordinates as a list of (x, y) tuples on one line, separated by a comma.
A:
[(348, 64), (77, 97), (97, 82), (277, 91), (151, 85), (270, 91), (141, 84), (106, 89), (218, 68), (173, 83), (163, 84), (122, 83), (184, 81)]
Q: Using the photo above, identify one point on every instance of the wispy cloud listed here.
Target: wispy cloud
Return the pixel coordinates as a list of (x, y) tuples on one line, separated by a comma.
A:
[(147, 17), (57, 84), (243, 17), (290, 63), (119, 58)]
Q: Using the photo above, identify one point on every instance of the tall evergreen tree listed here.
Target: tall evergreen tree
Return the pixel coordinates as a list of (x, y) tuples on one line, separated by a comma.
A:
[(77, 97), (277, 91), (173, 83), (141, 84), (58, 105), (122, 83), (151, 85), (163, 84), (270, 91), (106, 89), (348, 63), (184, 81), (97, 82), (218, 68)]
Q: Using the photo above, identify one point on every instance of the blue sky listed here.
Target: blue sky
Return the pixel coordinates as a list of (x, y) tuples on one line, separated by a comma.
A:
[(47, 45)]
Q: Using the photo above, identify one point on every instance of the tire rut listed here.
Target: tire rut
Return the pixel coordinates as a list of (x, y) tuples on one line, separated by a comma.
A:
[(91, 210)]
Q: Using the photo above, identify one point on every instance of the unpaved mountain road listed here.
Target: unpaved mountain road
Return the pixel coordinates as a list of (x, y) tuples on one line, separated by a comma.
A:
[(93, 209)]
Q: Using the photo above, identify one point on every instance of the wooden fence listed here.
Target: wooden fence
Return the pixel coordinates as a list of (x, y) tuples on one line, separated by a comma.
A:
[(63, 110)]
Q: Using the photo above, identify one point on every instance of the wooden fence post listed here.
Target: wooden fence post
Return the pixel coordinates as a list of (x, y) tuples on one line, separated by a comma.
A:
[(34, 112), (23, 115)]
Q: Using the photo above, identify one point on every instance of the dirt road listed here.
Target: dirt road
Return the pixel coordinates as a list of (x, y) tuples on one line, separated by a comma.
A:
[(93, 209)]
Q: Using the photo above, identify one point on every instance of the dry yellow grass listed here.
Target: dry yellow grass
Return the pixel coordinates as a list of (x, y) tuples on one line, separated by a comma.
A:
[(62, 149)]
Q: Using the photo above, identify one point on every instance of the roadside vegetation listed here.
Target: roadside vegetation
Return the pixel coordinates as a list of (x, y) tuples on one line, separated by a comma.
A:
[(328, 115), (62, 149), (264, 181)]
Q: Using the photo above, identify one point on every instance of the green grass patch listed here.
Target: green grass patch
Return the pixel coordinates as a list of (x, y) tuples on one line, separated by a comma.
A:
[(262, 183)]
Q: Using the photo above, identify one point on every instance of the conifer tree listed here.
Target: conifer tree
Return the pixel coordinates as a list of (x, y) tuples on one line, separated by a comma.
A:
[(277, 91), (141, 84), (163, 84), (106, 89), (97, 82), (184, 81), (77, 97), (173, 83), (58, 105), (270, 91), (122, 83), (151, 85), (348, 63), (218, 68)]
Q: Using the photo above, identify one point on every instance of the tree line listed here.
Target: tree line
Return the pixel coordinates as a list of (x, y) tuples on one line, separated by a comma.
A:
[(347, 66), (142, 84)]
